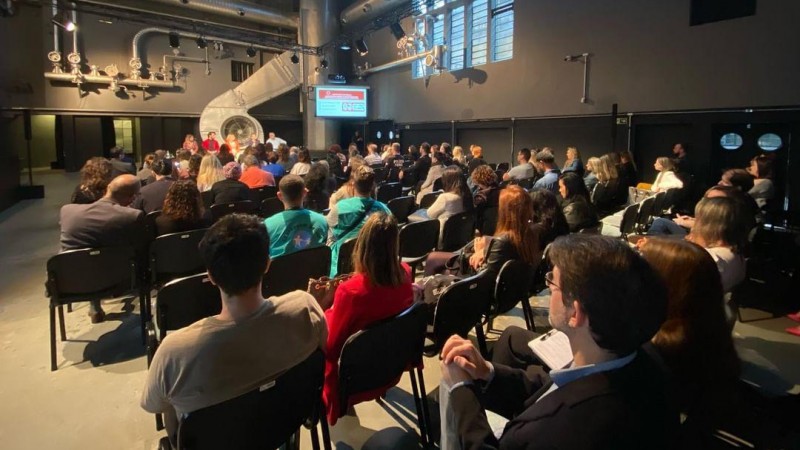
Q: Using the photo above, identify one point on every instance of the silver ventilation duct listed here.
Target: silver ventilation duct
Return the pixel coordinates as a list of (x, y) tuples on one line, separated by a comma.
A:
[(245, 11), (365, 10), (228, 112)]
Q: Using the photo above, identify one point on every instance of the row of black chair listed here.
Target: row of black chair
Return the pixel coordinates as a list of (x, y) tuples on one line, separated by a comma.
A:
[(636, 218)]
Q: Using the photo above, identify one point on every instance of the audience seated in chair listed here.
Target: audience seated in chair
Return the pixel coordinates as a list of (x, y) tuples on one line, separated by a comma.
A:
[(608, 301), (610, 192), (120, 164), (590, 179), (230, 189), (296, 228), (380, 288), (477, 158), (210, 172), (524, 169), (253, 176), (347, 217), (347, 190), (145, 174), (455, 199), (546, 165), (548, 219), (695, 341), (434, 173), (666, 178), (319, 185), (627, 169), (763, 189), (95, 176), (108, 222), (575, 204), (573, 163), (418, 171), (151, 198), (183, 209), (252, 341), (487, 192)]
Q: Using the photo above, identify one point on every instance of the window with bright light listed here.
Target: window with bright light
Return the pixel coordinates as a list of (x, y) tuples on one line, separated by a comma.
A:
[(123, 133), (479, 36), (502, 29), (456, 48)]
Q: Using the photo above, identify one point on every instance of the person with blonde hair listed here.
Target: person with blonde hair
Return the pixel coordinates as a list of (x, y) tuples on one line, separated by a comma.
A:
[(573, 162), (590, 179), (210, 172), (477, 158), (609, 194), (458, 156), (666, 178), (379, 289)]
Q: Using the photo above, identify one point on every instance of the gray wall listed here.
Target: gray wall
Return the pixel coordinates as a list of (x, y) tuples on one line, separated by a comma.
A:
[(646, 58)]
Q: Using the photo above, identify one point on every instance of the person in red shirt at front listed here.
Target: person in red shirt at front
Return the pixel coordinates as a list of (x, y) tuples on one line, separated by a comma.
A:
[(380, 288), (253, 176), (211, 144)]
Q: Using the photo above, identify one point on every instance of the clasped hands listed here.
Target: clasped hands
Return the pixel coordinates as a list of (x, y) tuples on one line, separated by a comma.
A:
[(479, 256), (462, 362)]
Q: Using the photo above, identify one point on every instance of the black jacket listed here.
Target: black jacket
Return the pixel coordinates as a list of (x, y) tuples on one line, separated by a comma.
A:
[(229, 191), (626, 408), (474, 163), (609, 197), (579, 213), (151, 197), (419, 169)]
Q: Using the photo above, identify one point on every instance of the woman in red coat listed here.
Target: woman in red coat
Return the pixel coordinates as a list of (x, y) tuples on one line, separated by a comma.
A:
[(379, 289)]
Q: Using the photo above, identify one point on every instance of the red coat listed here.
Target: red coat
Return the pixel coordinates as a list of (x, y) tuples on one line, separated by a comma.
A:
[(355, 306)]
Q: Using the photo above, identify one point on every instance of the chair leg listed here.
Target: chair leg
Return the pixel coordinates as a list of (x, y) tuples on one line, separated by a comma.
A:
[(526, 308), (481, 340), (314, 438), (52, 338), (69, 307), (326, 432), (159, 422), (61, 326), (425, 410), (421, 420)]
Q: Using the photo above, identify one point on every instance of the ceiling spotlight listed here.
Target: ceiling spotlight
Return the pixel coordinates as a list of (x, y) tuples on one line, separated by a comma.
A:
[(174, 40), (344, 45), (251, 52), (361, 47), (324, 63), (201, 42), (295, 59), (63, 20)]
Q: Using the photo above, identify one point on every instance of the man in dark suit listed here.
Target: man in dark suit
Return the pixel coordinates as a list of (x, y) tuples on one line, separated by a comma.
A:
[(108, 222), (419, 170), (119, 164), (608, 302), (152, 196)]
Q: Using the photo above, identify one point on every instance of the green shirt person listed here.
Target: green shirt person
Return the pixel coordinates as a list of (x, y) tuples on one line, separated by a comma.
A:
[(296, 228)]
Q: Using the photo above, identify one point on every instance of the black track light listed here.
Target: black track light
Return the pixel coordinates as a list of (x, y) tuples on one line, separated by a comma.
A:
[(324, 63), (361, 47), (201, 42), (251, 52), (295, 59), (174, 40)]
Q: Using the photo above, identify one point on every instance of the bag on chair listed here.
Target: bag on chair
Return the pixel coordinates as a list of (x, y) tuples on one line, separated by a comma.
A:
[(323, 289)]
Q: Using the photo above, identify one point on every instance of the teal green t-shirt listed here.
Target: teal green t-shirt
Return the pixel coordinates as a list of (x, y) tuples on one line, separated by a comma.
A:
[(294, 230), (349, 211)]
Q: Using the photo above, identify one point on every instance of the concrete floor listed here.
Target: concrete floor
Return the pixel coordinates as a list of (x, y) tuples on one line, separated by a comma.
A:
[(92, 401)]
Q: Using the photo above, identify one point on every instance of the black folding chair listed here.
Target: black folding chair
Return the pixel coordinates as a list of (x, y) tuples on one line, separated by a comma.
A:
[(487, 222), (223, 209), (266, 417), (150, 230), (208, 199), (172, 256), (437, 185), (512, 286), (417, 240), (658, 203), (259, 194), (401, 207), (646, 210), (345, 263), (459, 310), (87, 275), (628, 223), (458, 230), (291, 272), (380, 174), (270, 207), (670, 200), (389, 191), (378, 355), (503, 167), (429, 198)]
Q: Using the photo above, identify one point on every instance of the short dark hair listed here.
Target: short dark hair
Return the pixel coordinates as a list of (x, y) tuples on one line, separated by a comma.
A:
[(623, 296), (162, 167), (235, 251), (364, 180), (545, 157), (425, 146), (526, 153), (292, 187), (116, 152)]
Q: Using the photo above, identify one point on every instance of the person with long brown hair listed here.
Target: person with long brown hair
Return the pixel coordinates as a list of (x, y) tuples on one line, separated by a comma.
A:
[(95, 176), (183, 209), (694, 341), (379, 289)]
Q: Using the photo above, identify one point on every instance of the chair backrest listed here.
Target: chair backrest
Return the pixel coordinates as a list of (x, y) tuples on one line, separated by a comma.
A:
[(263, 418), (459, 229), (401, 207), (389, 191), (438, 184), (223, 209), (526, 183), (488, 220), (628, 223), (503, 167), (345, 263), (184, 301), (150, 230), (380, 174), (291, 272), (91, 272), (658, 203), (258, 194), (493, 166), (176, 255), (670, 199), (269, 207), (460, 307), (208, 199), (511, 286), (417, 239), (380, 353), (645, 213), (429, 198)]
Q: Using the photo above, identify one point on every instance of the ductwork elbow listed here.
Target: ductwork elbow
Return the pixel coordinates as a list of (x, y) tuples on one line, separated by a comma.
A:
[(364, 10)]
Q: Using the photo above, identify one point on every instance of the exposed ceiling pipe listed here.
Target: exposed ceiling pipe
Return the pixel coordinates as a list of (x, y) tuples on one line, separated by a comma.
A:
[(190, 35), (105, 79), (364, 10), (436, 53), (245, 11)]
